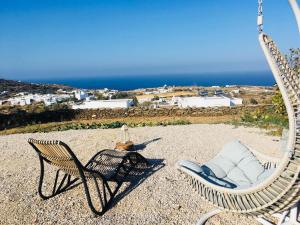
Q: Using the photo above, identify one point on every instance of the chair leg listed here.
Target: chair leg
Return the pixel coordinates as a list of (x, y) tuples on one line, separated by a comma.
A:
[(289, 217), (105, 194), (65, 184), (208, 215), (292, 219)]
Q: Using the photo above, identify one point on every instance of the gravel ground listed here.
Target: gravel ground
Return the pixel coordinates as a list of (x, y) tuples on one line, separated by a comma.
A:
[(164, 197)]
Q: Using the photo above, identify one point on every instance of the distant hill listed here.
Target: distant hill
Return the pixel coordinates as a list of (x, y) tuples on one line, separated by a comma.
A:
[(11, 87)]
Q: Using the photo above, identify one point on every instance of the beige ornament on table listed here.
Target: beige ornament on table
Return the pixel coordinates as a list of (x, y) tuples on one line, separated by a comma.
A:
[(126, 145)]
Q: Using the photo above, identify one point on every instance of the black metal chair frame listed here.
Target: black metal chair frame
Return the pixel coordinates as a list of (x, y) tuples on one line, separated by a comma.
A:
[(131, 159)]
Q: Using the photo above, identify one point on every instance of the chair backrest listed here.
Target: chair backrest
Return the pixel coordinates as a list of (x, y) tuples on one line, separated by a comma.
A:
[(287, 81), (289, 85), (290, 78), (58, 154)]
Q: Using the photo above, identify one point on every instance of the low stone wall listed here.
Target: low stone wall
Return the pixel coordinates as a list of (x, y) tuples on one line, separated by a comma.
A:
[(23, 118), (145, 112)]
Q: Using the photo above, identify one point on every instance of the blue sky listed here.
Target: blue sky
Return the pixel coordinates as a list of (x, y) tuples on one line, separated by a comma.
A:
[(55, 38)]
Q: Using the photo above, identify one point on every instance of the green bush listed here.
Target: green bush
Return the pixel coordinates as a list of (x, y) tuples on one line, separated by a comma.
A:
[(120, 95), (253, 101), (265, 119), (155, 98), (112, 125), (278, 103)]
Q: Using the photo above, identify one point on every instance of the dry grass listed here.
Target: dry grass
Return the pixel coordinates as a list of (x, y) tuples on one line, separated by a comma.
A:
[(134, 121)]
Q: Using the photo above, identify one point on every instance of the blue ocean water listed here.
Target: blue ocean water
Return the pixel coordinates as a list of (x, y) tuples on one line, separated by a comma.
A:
[(131, 82)]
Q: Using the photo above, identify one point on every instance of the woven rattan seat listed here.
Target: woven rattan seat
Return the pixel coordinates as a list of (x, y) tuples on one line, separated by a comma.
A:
[(107, 170)]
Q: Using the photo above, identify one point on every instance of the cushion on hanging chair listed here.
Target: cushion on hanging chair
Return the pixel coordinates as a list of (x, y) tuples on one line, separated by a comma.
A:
[(237, 164), (195, 167), (205, 173), (234, 167)]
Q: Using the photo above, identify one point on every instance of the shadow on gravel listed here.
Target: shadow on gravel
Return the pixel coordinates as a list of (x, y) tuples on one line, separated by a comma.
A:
[(134, 181), (142, 146)]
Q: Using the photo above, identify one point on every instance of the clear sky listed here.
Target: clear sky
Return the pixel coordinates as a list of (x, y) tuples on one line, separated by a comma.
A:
[(61, 38)]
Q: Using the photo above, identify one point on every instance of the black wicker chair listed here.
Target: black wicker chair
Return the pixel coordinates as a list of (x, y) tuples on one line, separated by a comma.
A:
[(107, 170)]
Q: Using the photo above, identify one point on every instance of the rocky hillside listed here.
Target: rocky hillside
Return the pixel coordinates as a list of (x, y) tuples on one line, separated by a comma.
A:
[(10, 87)]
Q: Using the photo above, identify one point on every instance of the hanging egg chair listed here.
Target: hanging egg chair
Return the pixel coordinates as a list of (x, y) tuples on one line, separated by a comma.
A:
[(241, 180)]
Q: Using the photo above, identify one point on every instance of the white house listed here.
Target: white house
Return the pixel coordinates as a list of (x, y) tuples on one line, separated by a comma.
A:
[(30, 98), (50, 101), (215, 101), (163, 89), (80, 95), (107, 92), (3, 92), (203, 93), (111, 104), (236, 91), (145, 99), (19, 101), (219, 92), (236, 101), (159, 90)]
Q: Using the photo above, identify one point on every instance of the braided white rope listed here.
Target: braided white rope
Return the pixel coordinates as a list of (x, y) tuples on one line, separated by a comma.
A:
[(296, 10), (260, 16)]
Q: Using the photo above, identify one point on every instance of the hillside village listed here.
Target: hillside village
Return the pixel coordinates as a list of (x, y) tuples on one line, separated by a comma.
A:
[(166, 96)]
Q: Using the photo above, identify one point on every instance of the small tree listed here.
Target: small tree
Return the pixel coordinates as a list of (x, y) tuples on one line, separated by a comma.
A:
[(146, 104), (135, 101), (155, 98), (99, 96), (293, 59), (253, 101), (278, 103), (120, 95)]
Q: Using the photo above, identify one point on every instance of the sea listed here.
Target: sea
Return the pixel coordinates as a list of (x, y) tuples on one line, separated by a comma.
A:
[(131, 82)]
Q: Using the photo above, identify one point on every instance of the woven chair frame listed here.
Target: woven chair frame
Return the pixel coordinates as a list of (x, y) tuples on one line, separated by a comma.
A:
[(103, 168), (281, 190)]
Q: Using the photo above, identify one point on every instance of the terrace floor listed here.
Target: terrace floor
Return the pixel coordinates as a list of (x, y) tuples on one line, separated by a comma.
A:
[(163, 197)]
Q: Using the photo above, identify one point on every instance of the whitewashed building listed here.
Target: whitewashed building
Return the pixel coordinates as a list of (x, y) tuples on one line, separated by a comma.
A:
[(111, 104), (31, 98), (236, 91), (237, 101), (49, 101), (145, 99), (107, 92), (215, 101), (159, 90), (80, 95), (24, 100), (218, 92), (3, 92)]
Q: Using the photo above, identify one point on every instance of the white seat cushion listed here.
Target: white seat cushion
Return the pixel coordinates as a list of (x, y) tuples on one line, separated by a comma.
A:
[(237, 164), (205, 173), (234, 167), (190, 165)]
